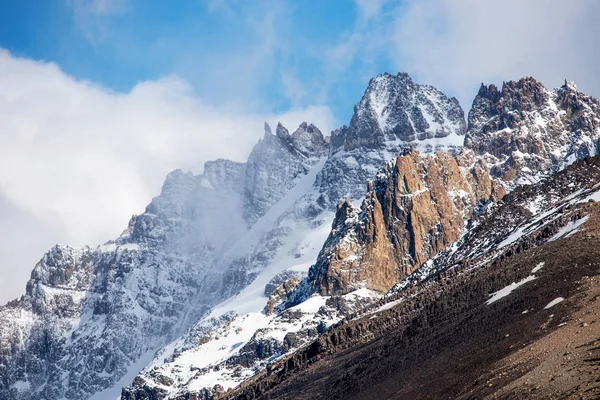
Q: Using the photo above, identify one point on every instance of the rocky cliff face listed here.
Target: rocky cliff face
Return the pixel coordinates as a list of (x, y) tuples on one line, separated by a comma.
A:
[(526, 131), (415, 208)]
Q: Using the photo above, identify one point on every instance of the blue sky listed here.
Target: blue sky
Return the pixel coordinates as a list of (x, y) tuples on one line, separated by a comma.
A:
[(277, 53)]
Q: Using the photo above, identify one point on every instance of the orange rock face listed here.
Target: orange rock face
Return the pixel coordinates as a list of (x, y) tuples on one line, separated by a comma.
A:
[(415, 209)]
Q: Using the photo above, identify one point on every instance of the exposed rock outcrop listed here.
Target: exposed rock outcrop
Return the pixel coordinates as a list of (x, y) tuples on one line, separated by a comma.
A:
[(280, 292), (524, 131), (415, 208)]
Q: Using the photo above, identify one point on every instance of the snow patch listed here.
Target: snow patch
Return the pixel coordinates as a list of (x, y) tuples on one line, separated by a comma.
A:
[(513, 237), (21, 385), (569, 229), (537, 267), (388, 306), (508, 289), (553, 303)]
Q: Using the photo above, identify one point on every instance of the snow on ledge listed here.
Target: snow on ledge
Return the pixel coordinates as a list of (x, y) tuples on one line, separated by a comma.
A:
[(553, 302), (569, 229), (508, 290), (538, 267)]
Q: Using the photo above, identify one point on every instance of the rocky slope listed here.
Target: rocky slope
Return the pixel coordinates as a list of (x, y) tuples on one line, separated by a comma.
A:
[(509, 311)]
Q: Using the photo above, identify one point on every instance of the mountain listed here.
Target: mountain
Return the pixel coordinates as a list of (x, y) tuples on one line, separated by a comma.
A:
[(239, 272), (525, 130), (394, 113), (414, 209), (396, 110), (93, 318), (447, 275), (258, 318)]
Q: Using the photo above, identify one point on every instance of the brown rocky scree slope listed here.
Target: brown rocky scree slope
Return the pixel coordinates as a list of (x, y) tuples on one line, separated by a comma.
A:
[(414, 209), (447, 343)]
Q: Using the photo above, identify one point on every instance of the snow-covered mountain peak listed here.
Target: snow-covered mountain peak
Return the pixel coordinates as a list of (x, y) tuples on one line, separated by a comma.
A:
[(214, 249), (57, 267), (395, 109), (307, 139)]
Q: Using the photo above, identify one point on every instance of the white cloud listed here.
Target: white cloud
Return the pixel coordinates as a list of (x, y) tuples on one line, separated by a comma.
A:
[(77, 160), (457, 44)]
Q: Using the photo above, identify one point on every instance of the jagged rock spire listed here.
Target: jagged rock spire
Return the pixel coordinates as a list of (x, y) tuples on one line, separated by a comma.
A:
[(530, 130), (281, 131), (268, 129)]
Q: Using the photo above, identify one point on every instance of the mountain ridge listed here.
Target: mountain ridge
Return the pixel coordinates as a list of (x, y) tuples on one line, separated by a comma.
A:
[(172, 277)]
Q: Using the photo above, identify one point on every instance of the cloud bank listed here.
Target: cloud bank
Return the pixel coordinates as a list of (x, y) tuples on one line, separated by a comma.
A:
[(77, 160), (457, 44)]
